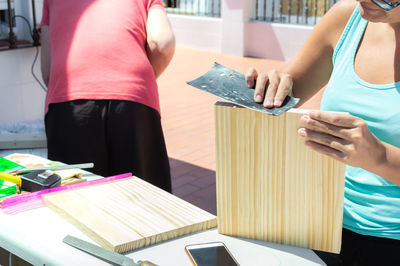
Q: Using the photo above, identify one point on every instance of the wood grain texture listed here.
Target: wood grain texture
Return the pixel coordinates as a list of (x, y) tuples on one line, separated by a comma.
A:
[(270, 186), (128, 214)]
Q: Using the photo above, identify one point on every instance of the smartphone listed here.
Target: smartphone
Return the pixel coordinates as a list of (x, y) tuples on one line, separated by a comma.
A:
[(210, 254)]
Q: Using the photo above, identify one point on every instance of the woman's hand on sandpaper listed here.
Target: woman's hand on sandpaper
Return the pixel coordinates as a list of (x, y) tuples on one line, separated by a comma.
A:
[(270, 88)]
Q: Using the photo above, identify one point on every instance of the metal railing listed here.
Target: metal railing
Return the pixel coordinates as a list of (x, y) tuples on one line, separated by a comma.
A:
[(303, 12), (208, 8), (11, 18)]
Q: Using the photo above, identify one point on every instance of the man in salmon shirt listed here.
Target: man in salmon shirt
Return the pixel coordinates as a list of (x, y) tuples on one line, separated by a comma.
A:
[(100, 61)]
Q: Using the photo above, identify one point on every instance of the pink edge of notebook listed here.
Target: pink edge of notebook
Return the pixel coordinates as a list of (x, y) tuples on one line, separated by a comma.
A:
[(33, 200)]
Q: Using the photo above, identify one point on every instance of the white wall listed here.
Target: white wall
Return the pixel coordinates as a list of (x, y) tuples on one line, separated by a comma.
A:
[(21, 97), (197, 32), (274, 41), (235, 34)]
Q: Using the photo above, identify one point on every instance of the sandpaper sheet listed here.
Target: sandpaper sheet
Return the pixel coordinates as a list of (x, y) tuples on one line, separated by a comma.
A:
[(231, 86)]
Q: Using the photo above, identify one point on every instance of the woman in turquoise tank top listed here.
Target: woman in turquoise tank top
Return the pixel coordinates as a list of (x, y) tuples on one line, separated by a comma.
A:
[(355, 51)]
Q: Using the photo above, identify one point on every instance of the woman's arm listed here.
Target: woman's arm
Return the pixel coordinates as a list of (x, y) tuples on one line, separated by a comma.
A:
[(310, 68), (160, 40)]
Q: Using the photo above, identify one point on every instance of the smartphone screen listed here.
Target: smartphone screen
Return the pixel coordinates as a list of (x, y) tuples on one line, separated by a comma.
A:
[(210, 254)]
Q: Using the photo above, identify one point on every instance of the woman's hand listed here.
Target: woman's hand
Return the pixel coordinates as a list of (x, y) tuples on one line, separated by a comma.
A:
[(343, 137), (271, 88)]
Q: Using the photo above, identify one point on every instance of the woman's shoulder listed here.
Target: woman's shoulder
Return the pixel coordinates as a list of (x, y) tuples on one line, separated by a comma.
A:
[(343, 8), (336, 19)]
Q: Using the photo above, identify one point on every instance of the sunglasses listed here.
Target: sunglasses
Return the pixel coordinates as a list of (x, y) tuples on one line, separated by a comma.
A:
[(386, 4)]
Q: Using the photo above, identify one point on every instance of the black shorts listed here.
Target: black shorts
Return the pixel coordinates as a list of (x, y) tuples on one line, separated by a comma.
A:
[(362, 250), (117, 136)]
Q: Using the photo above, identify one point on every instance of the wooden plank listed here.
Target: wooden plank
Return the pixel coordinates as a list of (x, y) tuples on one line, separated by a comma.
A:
[(270, 186), (128, 214)]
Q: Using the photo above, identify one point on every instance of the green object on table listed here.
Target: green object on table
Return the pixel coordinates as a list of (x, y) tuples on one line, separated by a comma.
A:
[(6, 165), (8, 191)]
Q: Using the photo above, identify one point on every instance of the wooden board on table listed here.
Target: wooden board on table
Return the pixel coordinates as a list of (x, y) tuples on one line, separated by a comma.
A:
[(270, 186), (128, 214)]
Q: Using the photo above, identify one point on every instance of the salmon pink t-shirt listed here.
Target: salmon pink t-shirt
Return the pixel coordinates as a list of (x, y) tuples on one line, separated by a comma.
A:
[(98, 51)]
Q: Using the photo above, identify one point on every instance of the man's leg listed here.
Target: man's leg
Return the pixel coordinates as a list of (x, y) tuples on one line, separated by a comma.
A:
[(136, 143), (76, 133)]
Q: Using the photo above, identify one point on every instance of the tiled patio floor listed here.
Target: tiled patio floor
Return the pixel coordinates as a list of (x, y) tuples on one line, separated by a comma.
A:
[(188, 121)]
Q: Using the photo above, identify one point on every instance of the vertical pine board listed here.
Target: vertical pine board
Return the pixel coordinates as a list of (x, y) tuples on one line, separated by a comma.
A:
[(270, 186)]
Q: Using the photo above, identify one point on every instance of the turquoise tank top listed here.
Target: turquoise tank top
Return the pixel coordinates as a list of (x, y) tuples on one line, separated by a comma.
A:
[(371, 203)]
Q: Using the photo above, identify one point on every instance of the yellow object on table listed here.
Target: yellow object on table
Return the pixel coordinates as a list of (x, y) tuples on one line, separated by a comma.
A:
[(10, 178), (68, 176)]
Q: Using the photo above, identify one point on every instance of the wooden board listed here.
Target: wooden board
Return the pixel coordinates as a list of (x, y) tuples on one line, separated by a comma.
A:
[(270, 186), (128, 214)]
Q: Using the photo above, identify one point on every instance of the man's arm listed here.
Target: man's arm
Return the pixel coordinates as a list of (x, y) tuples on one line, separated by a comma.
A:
[(45, 54), (160, 40)]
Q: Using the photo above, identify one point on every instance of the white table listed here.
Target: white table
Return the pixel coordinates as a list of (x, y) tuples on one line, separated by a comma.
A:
[(36, 236)]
